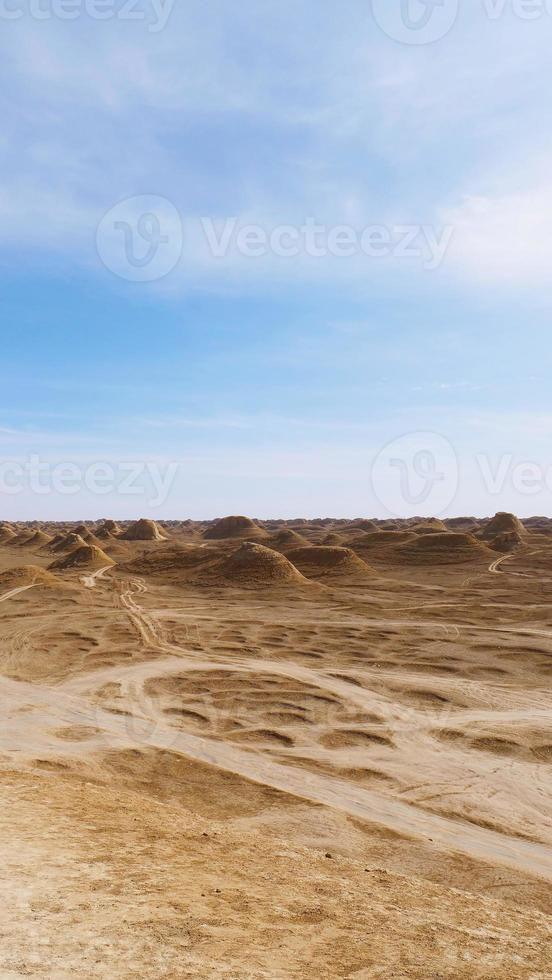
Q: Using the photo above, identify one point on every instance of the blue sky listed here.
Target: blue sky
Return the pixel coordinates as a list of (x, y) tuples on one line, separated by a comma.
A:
[(274, 382)]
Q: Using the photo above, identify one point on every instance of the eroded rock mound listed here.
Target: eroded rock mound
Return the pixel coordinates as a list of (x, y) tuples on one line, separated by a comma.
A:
[(379, 544), (172, 562), (37, 540), (322, 560), (506, 541), (21, 538), (430, 526), (503, 523), (253, 564), (87, 556), (361, 525), (442, 549), (90, 538), (462, 523), (26, 575), (6, 534), (143, 530), (67, 542), (231, 527), (333, 539), (380, 538), (107, 530), (286, 539)]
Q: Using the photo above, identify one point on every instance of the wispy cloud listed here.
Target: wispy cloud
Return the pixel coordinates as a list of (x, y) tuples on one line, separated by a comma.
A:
[(102, 111)]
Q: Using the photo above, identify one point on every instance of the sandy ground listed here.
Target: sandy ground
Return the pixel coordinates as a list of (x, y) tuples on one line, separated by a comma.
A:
[(349, 777)]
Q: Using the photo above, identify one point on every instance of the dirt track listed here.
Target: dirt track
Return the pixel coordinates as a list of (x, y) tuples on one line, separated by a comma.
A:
[(67, 703)]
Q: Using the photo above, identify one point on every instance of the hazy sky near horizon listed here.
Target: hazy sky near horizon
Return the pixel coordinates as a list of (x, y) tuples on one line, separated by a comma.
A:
[(273, 382)]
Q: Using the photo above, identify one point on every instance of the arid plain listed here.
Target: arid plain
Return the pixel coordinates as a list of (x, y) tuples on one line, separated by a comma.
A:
[(302, 749)]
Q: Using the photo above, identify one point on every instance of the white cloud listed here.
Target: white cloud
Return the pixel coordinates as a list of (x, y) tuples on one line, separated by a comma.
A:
[(504, 239), (234, 114)]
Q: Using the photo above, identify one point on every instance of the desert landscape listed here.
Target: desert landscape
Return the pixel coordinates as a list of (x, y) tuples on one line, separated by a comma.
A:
[(277, 749), (275, 447)]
